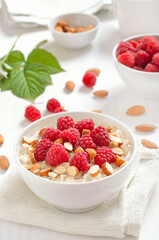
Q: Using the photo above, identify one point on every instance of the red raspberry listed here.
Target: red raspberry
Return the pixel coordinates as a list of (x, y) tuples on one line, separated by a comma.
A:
[(147, 40), (65, 123), (85, 142), (138, 68), (80, 161), (57, 155), (41, 149), (85, 124), (59, 109), (127, 59), (104, 154), (142, 58), (52, 104), (121, 50), (51, 133), (134, 43), (127, 45), (89, 79), (151, 68), (100, 136), (70, 135), (155, 59), (32, 113)]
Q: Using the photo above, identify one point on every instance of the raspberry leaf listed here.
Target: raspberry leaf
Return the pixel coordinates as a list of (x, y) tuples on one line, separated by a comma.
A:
[(15, 59)]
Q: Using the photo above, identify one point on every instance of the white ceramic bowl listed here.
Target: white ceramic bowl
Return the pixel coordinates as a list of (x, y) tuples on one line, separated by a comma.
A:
[(143, 84), (76, 197), (75, 40)]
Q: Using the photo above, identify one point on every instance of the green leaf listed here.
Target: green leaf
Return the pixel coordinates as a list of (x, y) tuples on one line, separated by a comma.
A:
[(15, 59), (45, 58)]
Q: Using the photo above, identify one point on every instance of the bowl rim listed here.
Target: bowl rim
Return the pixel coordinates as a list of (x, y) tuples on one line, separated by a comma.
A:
[(108, 178), (129, 39), (73, 34)]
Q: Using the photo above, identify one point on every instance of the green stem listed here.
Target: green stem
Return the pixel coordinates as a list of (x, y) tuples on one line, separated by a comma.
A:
[(41, 43)]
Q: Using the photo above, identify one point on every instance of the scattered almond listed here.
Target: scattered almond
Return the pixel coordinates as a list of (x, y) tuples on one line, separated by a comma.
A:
[(96, 71), (86, 132), (32, 158), (119, 161), (100, 93), (68, 146), (148, 144), (145, 127), (70, 85), (118, 151), (59, 140), (72, 171), (60, 170), (1, 139), (94, 170), (107, 168), (53, 175), (79, 149), (136, 110), (45, 172), (35, 168), (59, 29), (92, 153), (42, 131), (97, 111), (62, 24), (4, 163)]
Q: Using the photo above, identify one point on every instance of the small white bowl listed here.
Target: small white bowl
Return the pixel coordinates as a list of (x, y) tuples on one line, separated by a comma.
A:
[(75, 40), (75, 197), (143, 84)]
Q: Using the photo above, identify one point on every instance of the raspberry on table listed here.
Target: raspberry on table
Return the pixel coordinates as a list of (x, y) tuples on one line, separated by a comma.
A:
[(80, 161), (151, 68), (142, 58), (65, 123), (59, 109), (51, 133), (32, 113), (127, 59), (155, 59), (104, 154), (41, 149), (89, 79), (52, 104), (100, 136), (85, 142), (56, 155), (70, 135), (85, 124)]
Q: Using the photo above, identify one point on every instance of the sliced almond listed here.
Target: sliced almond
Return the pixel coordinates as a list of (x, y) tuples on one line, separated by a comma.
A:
[(42, 131), (118, 151), (92, 153), (68, 146), (72, 171), (86, 132), (125, 149), (32, 158), (4, 163), (26, 140), (70, 85), (96, 71), (45, 172), (148, 144), (34, 143), (100, 93), (97, 111), (145, 127), (59, 28), (53, 175), (60, 170), (31, 149), (28, 166), (119, 161), (62, 24), (94, 170), (1, 139), (79, 149), (117, 140), (35, 168), (136, 110), (59, 140), (107, 169)]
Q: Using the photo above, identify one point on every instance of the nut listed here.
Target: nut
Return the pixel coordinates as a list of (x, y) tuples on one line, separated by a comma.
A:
[(79, 149), (1, 139), (118, 151), (117, 140), (42, 131), (125, 149), (35, 168), (34, 143), (96, 71), (68, 146), (119, 161), (62, 24), (59, 140), (107, 169), (59, 29), (26, 140), (94, 170), (45, 172), (4, 163), (136, 110), (92, 153), (145, 127), (79, 29), (60, 170), (86, 132), (53, 175), (69, 30), (109, 129), (32, 158), (100, 93), (70, 85), (90, 26), (97, 111), (148, 144), (72, 171)]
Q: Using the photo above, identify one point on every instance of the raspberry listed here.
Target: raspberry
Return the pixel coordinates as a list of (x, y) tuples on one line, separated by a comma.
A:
[(89, 79), (142, 58), (151, 68), (104, 154), (152, 47), (155, 59), (138, 68), (127, 45), (127, 59), (80, 161), (41, 149), (100, 136), (121, 50), (65, 123), (32, 113), (59, 109), (57, 155), (52, 104), (134, 43), (146, 41), (51, 133), (85, 142), (85, 124), (70, 135)]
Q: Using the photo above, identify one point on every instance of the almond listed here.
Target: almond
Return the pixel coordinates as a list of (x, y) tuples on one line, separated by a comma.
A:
[(59, 28), (31, 149), (45, 172), (26, 140), (59, 140), (79, 29), (145, 127), (42, 131), (34, 143), (136, 110), (60, 170), (125, 149), (109, 129), (107, 169), (69, 30), (92, 153), (148, 144), (53, 175), (62, 24), (79, 149), (86, 132), (90, 26), (100, 93), (94, 170), (35, 168), (70, 85), (4, 163), (28, 166), (72, 171), (97, 111), (118, 151), (117, 140), (32, 158), (1, 139), (68, 146), (96, 71), (119, 161)]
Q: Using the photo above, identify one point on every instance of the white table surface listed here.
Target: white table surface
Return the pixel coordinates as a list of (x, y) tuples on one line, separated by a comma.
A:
[(98, 54)]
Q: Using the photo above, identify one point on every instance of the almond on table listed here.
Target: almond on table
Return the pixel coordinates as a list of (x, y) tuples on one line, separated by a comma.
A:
[(100, 93), (136, 110), (1, 139), (148, 144), (145, 127), (96, 71), (4, 162)]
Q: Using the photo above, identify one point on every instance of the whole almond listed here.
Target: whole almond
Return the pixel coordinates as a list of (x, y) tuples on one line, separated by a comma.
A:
[(148, 144), (79, 29), (59, 28), (90, 26), (96, 71), (1, 139), (62, 24), (100, 93), (70, 85), (97, 111), (4, 163), (145, 127), (136, 110)]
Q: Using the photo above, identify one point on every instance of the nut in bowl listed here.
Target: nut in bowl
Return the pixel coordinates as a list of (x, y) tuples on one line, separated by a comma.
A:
[(73, 170), (135, 60), (74, 30)]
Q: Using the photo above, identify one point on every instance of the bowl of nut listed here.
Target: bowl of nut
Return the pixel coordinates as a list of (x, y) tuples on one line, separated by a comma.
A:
[(74, 30), (75, 160), (137, 61)]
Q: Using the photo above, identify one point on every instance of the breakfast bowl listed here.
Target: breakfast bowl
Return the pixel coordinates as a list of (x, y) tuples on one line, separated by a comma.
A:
[(75, 39), (81, 196), (143, 83)]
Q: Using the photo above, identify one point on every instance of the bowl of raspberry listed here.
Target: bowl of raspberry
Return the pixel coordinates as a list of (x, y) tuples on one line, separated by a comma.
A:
[(137, 61), (75, 160)]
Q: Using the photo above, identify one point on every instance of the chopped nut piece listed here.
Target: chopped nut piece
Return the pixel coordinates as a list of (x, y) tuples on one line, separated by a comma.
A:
[(85, 132), (125, 149), (60, 170), (35, 168), (53, 175), (92, 153), (1, 139), (68, 146), (45, 172), (94, 170), (4, 163), (119, 161), (72, 171), (34, 143), (79, 149), (59, 29), (109, 129), (26, 140), (107, 169), (42, 131), (90, 26), (117, 140), (118, 151), (79, 29), (62, 24), (59, 140), (32, 158)]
